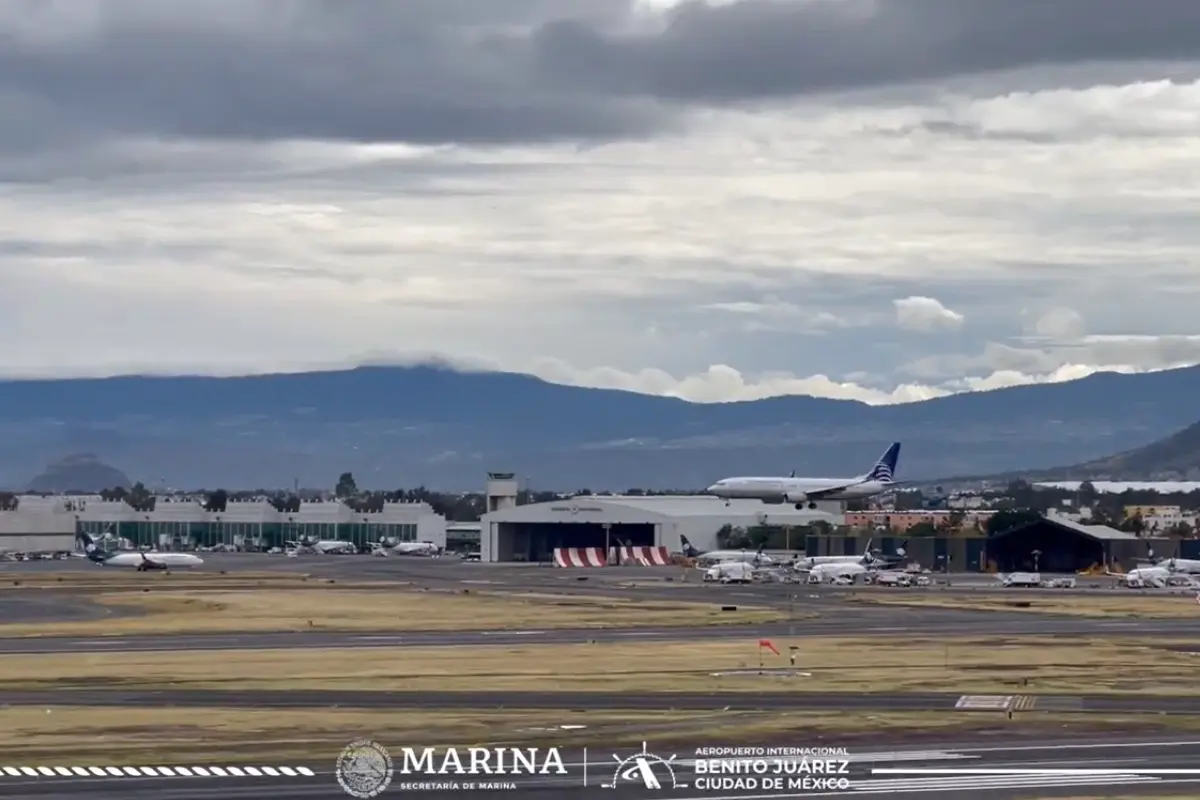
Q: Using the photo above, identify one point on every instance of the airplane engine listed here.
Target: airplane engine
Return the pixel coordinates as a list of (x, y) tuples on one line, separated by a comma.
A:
[(799, 500)]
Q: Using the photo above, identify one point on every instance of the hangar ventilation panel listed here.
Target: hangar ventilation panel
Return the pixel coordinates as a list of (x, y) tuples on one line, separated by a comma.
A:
[(502, 489)]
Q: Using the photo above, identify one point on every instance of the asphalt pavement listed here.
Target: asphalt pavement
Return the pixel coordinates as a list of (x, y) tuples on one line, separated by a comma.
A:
[(648, 701), (1102, 768)]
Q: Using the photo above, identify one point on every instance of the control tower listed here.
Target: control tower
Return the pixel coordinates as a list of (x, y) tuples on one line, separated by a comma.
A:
[(502, 491)]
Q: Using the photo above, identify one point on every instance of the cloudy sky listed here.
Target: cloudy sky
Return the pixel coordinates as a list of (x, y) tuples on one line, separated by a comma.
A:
[(873, 199)]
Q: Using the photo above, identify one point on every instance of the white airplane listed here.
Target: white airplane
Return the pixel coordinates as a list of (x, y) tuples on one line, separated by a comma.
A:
[(868, 557), (806, 491), (324, 547), (758, 557), (839, 572), (407, 548), (141, 561), (1144, 577), (1184, 565)]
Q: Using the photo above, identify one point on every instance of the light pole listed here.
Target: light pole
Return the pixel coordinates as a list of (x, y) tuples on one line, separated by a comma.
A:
[(607, 549), (792, 617)]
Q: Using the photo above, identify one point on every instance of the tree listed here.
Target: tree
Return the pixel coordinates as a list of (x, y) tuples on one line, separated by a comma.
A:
[(1180, 530), (1088, 494), (217, 501), (346, 486), (1008, 519), (140, 498), (1134, 524), (922, 529)]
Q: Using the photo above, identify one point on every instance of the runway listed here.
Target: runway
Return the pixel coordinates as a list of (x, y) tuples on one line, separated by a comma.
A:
[(104, 694), (1130, 767), (848, 622)]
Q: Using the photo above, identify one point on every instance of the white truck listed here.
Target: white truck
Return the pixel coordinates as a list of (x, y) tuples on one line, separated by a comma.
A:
[(730, 572), (1023, 580)]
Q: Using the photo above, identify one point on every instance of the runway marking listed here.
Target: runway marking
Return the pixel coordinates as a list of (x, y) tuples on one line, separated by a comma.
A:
[(514, 633)]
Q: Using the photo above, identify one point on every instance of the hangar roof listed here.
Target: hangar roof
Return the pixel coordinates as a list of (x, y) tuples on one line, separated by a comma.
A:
[(634, 509), (1094, 531)]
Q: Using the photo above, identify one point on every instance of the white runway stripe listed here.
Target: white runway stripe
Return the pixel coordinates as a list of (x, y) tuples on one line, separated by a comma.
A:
[(157, 772)]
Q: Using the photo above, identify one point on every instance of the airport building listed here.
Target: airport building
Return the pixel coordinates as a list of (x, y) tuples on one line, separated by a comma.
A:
[(511, 532), (50, 524), (38, 525), (1057, 544)]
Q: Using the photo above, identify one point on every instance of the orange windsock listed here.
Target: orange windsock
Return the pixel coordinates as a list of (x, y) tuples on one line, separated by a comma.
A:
[(767, 644)]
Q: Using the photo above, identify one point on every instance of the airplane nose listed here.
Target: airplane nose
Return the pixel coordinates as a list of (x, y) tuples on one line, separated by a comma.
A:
[(714, 488)]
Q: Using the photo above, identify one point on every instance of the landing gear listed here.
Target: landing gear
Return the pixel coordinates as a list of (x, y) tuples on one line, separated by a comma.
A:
[(811, 506)]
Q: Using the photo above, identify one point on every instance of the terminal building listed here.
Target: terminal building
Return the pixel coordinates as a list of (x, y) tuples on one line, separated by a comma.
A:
[(50, 524), (511, 532)]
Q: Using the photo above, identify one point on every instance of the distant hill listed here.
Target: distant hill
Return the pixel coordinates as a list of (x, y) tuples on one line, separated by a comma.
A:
[(407, 426), (81, 473), (1174, 458)]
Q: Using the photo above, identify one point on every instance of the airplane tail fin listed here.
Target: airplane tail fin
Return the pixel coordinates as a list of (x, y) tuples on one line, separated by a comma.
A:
[(868, 556), (884, 470), (91, 548), (686, 547)]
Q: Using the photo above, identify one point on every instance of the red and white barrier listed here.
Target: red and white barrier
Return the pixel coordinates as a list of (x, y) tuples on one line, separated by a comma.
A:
[(644, 556), (579, 557), (626, 556)]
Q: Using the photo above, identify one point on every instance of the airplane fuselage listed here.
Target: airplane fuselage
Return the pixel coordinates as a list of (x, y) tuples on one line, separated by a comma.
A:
[(1183, 565), (736, 556), (791, 490), (152, 560)]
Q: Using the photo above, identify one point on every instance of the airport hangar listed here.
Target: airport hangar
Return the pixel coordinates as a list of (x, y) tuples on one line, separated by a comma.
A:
[(1058, 544), (509, 532)]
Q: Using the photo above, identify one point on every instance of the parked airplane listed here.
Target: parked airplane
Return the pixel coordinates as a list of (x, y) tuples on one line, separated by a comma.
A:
[(409, 548), (844, 571), (324, 546), (141, 561), (867, 557), (806, 491), (757, 557), (1184, 565)]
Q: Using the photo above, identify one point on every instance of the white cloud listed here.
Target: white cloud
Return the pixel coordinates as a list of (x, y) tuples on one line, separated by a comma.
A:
[(925, 314), (1060, 323), (589, 264)]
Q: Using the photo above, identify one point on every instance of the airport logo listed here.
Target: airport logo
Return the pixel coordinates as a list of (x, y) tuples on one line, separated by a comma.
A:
[(646, 769), (364, 769)]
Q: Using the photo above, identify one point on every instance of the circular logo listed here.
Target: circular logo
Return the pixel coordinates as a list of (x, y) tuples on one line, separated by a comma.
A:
[(646, 769), (364, 769)]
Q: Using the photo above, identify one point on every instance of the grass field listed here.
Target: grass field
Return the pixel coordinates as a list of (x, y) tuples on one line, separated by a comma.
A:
[(968, 665), (330, 607), (1124, 606), (314, 737)]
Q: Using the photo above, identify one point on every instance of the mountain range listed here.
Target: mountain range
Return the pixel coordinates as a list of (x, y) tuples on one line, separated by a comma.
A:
[(434, 426)]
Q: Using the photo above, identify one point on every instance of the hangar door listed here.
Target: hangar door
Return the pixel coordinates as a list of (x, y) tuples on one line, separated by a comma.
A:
[(1060, 550), (536, 541)]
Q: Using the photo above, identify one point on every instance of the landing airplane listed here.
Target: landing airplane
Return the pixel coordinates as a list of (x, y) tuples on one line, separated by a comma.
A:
[(803, 492), (140, 561), (725, 556)]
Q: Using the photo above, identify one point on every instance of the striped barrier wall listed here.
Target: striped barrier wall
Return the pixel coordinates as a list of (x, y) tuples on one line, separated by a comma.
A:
[(579, 557), (644, 556)]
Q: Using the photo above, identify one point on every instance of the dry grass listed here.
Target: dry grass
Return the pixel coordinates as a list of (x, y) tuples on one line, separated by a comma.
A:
[(1132, 606), (965, 664), (326, 607), (150, 736)]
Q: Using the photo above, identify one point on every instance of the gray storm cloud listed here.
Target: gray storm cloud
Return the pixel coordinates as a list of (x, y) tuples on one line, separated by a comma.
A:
[(511, 70)]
